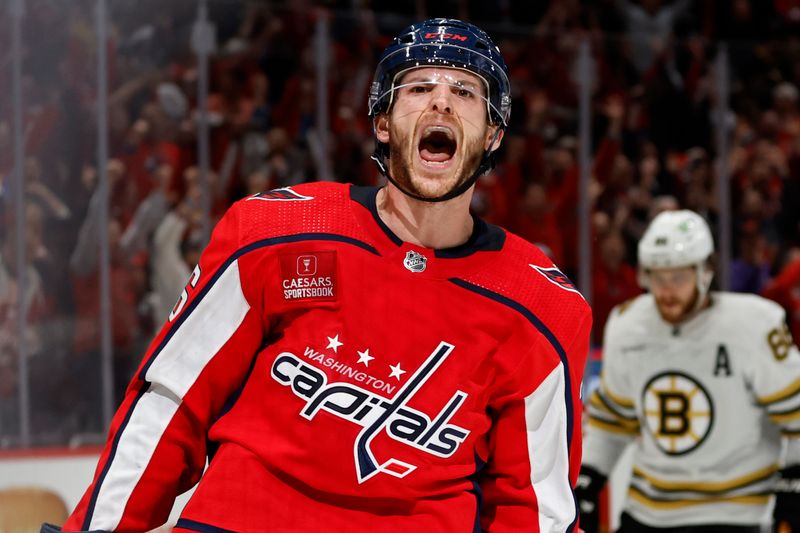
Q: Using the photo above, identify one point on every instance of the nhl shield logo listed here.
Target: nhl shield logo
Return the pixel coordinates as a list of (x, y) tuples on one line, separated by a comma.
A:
[(415, 261)]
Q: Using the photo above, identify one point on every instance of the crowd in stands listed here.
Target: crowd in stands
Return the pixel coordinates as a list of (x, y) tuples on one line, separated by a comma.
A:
[(655, 120)]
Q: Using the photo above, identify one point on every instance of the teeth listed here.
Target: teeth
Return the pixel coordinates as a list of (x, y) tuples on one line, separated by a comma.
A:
[(439, 129)]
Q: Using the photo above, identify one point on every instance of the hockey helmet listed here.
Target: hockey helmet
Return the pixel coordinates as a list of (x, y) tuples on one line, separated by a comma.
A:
[(677, 239), (448, 43)]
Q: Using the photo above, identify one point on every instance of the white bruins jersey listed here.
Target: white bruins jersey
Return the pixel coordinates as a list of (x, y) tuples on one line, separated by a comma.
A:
[(709, 400)]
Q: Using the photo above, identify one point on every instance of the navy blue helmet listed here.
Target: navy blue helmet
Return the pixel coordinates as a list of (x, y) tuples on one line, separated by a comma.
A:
[(447, 43)]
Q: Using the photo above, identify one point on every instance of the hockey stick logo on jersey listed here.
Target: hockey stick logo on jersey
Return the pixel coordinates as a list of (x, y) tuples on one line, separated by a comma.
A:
[(375, 413), (282, 194)]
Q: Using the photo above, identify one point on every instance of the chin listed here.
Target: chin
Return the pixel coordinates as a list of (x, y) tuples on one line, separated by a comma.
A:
[(433, 186), (670, 318), (674, 315), (426, 180)]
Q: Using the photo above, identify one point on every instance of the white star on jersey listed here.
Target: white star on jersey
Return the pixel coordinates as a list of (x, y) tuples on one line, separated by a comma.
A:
[(333, 342), (365, 357), (396, 371)]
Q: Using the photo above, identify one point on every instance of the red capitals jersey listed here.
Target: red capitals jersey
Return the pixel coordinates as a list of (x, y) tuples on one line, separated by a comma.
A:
[(339, 379)]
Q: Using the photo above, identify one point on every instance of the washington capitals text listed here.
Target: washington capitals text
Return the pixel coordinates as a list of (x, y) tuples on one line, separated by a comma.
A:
[(374, 413)]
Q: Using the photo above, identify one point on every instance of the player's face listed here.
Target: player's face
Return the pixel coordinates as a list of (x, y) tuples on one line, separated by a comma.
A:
[(437, 129), (675, 292)]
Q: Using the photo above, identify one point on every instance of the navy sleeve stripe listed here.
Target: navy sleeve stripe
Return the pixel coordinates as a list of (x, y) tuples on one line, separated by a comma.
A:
[(180, 320), (193, 525), (87, 521), (551, 338), (236, 255)]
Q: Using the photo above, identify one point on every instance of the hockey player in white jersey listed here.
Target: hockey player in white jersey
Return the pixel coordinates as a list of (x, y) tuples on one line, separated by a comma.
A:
[(707, 385)]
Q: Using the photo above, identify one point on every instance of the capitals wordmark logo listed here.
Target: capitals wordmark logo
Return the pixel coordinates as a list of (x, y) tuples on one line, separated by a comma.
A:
[(375, 413), (282, 194)]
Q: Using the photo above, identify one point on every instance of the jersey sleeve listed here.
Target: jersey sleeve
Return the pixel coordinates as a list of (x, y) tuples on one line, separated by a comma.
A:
[(611, 422), (775, 371), (156, 447), (535, 445)]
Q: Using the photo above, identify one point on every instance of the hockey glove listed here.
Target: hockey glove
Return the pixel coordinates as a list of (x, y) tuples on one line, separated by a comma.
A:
[(787, 500), (587, 490)]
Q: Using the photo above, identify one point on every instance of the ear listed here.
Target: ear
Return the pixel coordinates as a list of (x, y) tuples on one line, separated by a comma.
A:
[(490, 132), (381, 125)]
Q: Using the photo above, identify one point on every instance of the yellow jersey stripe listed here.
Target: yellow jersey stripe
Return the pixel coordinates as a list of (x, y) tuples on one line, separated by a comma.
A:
[(708, 486), (786, 392), (785, 417), (755, 499), (612, 427), (621, 401), (597, 401)]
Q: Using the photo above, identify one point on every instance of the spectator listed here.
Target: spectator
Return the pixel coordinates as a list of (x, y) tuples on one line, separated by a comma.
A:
[(613, 281), (650, 25), (785, 289), (126, 288), (536, 221)]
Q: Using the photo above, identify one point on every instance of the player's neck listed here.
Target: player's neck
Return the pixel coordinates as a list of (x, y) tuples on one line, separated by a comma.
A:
[(432, 225)]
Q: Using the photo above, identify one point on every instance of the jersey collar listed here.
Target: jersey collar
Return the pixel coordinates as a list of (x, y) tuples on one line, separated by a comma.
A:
[(485, 237), (479, 250)]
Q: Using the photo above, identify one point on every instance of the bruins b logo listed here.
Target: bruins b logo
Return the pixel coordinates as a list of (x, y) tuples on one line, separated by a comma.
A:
[(678, 412)]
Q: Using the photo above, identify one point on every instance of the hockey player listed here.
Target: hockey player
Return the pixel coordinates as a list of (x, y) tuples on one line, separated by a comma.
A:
[(705, 383), (360, 359)]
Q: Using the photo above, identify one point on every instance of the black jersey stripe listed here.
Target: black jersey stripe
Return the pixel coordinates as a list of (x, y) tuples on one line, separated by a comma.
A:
[(608, 404), (758, 498), (707, 488)]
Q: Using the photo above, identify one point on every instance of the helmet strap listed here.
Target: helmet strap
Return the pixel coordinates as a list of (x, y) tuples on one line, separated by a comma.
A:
[(485, 165), (704, 277)]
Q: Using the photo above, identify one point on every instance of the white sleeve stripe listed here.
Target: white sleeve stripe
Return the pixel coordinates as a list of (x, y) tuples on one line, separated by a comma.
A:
[(133, 454), (546, 421), (201, 335)]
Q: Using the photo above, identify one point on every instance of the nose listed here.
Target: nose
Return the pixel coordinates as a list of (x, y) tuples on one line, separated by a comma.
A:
[(440, 99), (665, 291)]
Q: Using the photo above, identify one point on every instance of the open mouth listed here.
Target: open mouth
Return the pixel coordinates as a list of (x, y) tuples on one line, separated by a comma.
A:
[(437, 145)]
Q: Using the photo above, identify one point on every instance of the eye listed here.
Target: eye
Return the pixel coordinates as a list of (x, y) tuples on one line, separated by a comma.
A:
[(419, 88), (464, 93)]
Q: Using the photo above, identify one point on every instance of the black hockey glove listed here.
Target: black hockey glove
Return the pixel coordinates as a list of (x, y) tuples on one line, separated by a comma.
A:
[(587, 490), (787, 501)]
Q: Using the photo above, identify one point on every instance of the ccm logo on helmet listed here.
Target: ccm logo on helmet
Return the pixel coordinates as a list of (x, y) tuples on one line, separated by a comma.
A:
[(446, 36)]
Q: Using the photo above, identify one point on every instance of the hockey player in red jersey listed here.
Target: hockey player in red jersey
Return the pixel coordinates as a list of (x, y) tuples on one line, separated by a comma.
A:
[(360, 359)]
